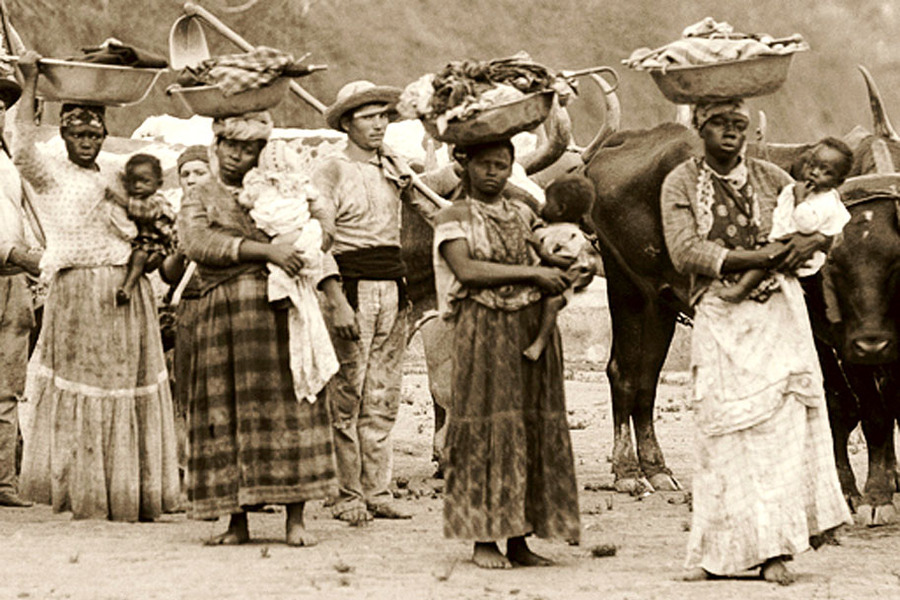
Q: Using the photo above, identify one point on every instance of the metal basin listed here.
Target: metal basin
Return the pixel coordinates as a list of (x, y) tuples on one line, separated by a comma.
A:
[(724, 80), (209, 101), (497, 122), (90, 83)]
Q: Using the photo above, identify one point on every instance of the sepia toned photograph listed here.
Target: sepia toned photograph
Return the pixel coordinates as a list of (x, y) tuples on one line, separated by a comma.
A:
[(445, 299)]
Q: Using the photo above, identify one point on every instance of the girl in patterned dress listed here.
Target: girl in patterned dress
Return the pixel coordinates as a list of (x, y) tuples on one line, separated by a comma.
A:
[(510, 471)]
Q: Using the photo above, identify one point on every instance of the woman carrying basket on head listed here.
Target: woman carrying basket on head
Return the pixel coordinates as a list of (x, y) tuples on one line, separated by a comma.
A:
[(510, 470), (102, 442), (765, 486)]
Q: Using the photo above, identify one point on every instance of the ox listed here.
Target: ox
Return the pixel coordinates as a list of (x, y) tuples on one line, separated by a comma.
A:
[(647, 295), (859, 352)]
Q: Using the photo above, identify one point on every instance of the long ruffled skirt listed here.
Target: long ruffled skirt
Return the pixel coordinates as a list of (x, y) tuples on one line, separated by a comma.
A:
[(101, 439)]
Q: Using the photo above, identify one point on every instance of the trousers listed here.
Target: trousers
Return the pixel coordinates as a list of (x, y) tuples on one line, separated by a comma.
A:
[(16, 323), (365, 396)]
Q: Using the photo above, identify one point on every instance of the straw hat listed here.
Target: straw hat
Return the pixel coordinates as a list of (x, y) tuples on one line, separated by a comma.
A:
[(359, 93)]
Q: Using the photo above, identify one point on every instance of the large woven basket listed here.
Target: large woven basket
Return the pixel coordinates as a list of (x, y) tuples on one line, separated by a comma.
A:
[(721, 81), (497, 122)]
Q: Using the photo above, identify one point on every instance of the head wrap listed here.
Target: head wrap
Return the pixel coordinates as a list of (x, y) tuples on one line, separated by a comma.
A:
[(705, 111), (192, 153), (245, 127), (83, 114)]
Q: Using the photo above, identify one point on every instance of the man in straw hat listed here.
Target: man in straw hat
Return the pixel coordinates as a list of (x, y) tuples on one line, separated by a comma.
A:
[(366, 307), (17, 259), (765, 486)]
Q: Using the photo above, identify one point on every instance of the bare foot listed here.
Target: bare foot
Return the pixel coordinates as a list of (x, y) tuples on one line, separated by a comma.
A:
[(534, 351), (356, 516), (488, 556), (296, 533), (697, 574), (238, 532), (775, 571), (518, 553), (122, 297)]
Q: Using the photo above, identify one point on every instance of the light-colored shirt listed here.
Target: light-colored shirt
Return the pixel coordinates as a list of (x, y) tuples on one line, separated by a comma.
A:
[(361, 201), (691, 252), (821, 212)]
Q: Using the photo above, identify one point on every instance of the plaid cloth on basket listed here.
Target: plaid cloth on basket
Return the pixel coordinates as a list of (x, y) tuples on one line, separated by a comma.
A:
[(236, 73)]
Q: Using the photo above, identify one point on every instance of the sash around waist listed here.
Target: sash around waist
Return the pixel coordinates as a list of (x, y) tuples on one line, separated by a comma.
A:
[(379, 262)]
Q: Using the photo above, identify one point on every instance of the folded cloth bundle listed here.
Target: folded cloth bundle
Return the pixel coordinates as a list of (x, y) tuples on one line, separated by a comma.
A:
[(236, 73), (465, 88), (709, 42), (114, 52)]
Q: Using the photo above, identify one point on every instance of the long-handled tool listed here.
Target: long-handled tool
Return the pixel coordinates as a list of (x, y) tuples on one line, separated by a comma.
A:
[(190, 36)]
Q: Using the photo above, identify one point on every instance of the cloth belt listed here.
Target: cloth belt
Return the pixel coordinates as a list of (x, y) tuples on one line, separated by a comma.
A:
[(380, 263)]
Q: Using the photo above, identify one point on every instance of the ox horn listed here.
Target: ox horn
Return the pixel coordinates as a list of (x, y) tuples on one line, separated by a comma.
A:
[(613, 121), (883, 126), (553, 139)]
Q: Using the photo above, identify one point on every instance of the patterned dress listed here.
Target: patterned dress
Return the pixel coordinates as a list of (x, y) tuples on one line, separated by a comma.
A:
[(251, 441), (509, 470), (101, 442), (765, 480)]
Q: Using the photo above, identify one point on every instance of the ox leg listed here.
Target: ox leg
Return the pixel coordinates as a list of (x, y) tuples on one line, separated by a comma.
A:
[(878, 427), (843, 416), (632, 379), (658, 331)]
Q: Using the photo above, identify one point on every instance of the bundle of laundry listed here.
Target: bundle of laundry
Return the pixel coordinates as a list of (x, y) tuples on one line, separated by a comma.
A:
[(464, 89), (709, 42)]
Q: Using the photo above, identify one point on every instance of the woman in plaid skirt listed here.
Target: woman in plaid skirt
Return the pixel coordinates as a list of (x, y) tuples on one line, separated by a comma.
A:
[(765, 486), (251, 440)]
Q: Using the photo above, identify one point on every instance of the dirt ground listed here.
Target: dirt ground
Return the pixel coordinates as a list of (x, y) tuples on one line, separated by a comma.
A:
[(46, 555)]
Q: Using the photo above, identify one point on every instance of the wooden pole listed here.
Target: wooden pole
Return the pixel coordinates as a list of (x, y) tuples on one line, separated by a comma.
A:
[(192, 9), (195, 10)]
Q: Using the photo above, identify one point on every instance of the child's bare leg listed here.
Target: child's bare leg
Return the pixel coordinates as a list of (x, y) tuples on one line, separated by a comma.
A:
[(518, 553), (136, 263), (742, 288), (488, 556), (550, 307)]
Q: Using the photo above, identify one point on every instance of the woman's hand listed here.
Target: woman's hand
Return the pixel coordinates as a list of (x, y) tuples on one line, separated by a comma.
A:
[(800, 248), (550, 279), (28, 64), (287, 257)]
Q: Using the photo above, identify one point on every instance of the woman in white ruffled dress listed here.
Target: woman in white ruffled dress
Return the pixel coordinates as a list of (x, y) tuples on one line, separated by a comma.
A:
[(102, 439)]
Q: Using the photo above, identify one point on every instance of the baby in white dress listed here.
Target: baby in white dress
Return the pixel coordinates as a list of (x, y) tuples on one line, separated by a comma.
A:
[(277, 194), (808, 206)]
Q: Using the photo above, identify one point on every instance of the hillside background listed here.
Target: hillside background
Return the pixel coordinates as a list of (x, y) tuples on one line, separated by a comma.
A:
[(395, 41)]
